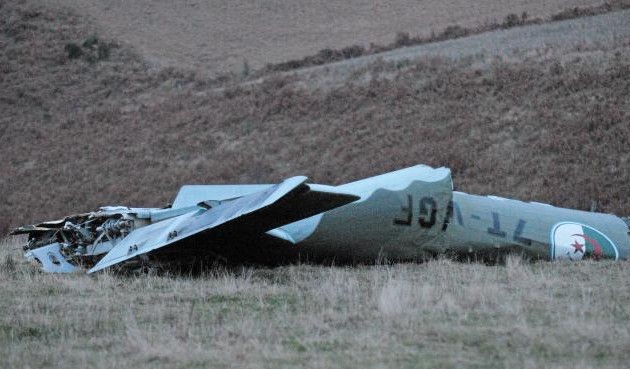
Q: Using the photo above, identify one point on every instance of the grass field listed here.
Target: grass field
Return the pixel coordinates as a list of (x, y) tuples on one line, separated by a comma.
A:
[(438, 314)]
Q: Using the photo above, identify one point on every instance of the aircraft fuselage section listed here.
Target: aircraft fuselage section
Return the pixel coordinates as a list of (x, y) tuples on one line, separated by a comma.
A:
[(483, 223), (406, 215), (401, 224)]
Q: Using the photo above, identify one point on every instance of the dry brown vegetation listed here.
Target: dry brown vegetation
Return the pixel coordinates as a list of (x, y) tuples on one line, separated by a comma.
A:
[(219, 36), (404, 39), (89, 131), (437, 314)]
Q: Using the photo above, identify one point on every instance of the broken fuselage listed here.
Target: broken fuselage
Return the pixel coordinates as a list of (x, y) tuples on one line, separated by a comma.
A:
[(409, 214)]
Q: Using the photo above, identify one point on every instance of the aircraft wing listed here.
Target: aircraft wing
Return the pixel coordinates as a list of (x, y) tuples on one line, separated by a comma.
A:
[(258, 212)]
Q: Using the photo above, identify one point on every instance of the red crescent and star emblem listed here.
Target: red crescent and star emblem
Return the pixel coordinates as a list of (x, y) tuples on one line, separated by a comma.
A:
[(597, 249), (578, 247), (576, 241)]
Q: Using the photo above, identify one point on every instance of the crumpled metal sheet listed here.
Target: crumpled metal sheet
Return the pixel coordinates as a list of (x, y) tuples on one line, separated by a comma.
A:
[(51, 259)]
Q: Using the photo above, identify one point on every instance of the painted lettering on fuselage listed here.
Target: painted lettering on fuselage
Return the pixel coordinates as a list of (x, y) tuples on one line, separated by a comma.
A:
[(495, 227), (427, 214)]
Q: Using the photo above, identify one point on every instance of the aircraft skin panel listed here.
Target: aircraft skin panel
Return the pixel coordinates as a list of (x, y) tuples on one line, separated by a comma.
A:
[(488, 222), (51, 259), (400, 181), (402, 222), (142, 241), (190, 195), (302, 229), (396, 181)]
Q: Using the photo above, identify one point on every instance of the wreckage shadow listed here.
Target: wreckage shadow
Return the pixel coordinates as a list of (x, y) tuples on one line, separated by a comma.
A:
[(230, 252)]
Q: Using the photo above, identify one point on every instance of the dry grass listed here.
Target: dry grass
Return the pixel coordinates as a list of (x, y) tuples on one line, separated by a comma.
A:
[(438, 314)]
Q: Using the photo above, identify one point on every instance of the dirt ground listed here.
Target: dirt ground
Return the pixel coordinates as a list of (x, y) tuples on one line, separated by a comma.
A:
[(219, 36)]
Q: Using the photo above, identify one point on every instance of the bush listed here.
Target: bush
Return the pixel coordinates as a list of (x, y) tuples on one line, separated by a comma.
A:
[(402, 39), (245, 70), (92, 49), (512, 20), (352, 51), (327, 55), (574, 13), (454, 32), (103, 51), (90, 41), (73, 50)]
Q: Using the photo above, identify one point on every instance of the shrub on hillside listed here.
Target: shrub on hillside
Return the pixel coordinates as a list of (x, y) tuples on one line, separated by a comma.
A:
[(90, 42), (92, 49), (512, 20), (454, 32), (73, 50), (102, 51), (402, 39)]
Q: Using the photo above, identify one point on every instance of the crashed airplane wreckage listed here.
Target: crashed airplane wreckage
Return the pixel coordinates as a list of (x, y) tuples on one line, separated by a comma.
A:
[(409, 214)]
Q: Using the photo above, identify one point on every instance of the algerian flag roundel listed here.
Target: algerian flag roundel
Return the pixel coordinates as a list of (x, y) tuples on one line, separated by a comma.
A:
[(574, 241)]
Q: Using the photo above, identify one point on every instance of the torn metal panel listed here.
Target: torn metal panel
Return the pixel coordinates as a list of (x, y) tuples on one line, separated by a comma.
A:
[(51, 259)]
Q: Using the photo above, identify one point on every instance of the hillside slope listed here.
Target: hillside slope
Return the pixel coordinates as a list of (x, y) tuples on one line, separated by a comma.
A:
[(221, 36), (109, 129)]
